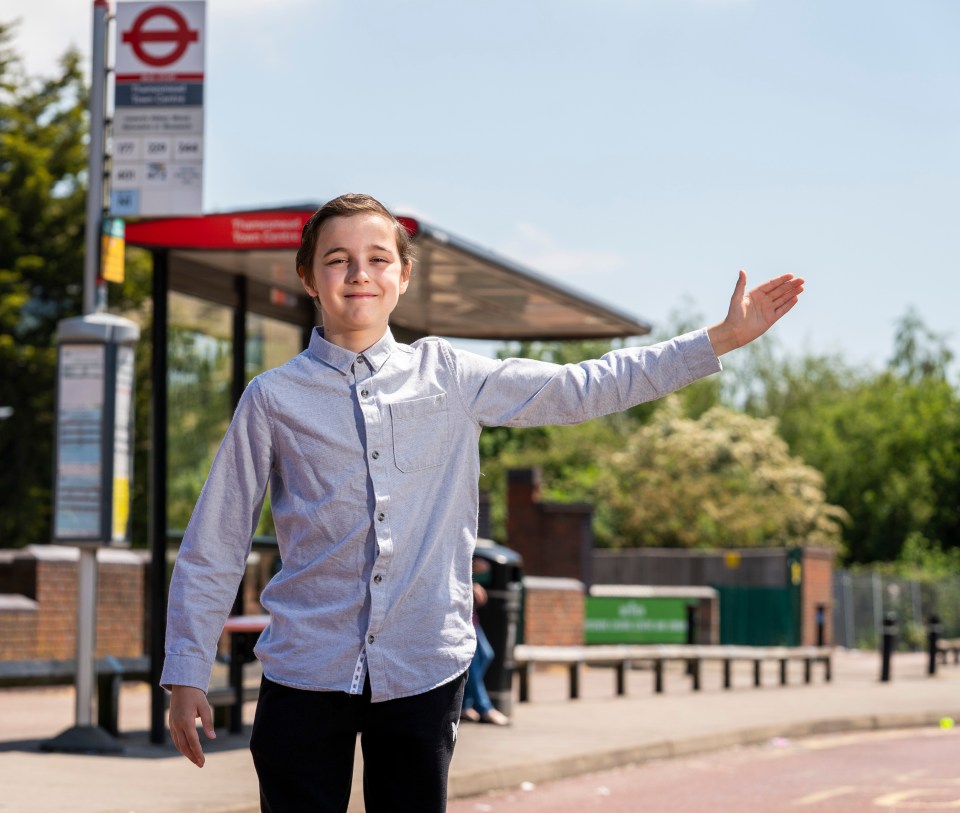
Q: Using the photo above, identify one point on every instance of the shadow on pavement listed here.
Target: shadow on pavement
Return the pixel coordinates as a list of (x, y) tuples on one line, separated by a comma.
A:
[(137, 745)]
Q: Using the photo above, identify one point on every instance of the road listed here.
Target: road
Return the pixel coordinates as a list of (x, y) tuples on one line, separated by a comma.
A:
[(904, 770)]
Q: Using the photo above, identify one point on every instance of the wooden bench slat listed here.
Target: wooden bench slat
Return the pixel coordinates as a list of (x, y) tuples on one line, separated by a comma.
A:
[(619, 655)]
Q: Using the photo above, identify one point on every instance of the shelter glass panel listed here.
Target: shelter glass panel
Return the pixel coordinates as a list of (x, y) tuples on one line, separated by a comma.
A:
[(200, 358), (270, 343)]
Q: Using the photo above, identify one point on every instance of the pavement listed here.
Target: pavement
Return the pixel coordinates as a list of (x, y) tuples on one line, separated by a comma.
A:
[(551, 737)]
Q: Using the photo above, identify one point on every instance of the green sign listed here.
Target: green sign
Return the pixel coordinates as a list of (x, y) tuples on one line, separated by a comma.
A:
[(621, 620)]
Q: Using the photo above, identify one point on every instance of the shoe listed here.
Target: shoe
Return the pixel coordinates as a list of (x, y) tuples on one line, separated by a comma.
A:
[(494, 717), (470, 715)]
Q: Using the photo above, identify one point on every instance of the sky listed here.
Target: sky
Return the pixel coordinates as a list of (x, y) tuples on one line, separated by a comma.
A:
[(638, 151)]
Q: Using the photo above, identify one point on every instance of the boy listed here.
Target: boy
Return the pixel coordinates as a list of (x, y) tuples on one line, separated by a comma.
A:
[(370, 450)]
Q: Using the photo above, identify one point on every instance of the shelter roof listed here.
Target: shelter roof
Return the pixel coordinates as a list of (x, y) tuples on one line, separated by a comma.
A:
[(458, 289)]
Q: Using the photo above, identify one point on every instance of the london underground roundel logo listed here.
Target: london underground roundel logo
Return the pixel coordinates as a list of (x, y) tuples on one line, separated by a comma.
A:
[(160, 45)]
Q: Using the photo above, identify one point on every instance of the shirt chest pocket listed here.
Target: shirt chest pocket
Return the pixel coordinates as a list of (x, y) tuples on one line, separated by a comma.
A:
[(421, 432)]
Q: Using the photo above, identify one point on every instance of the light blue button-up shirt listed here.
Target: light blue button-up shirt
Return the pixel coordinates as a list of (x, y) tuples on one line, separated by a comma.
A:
[(373, 469)]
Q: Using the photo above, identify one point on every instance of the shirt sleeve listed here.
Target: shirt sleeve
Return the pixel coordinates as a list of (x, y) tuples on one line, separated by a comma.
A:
[(216, 544), (525, 392)]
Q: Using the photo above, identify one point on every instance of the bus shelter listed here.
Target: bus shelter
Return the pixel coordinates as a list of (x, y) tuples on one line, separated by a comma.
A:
[(228, 305)]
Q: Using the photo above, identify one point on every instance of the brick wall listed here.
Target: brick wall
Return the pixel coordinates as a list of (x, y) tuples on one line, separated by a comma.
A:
[(18, 626), (554, 539), (47, 576), (523, 517), (816, 591), (553, 611), (55, 574), (121, 589)]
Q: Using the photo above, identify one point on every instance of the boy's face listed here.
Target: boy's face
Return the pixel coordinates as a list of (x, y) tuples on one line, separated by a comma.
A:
[(357, 277)]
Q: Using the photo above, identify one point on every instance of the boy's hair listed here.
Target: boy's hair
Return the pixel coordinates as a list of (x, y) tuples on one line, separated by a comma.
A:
[(347, 206)]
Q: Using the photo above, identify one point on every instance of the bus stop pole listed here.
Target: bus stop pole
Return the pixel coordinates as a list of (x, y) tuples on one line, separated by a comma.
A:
[(92, 285), (86, 635), (82, 736), (87, 569)]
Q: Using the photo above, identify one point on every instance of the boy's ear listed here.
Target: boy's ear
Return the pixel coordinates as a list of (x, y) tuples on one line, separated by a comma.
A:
[(405, 276), (306, 279)]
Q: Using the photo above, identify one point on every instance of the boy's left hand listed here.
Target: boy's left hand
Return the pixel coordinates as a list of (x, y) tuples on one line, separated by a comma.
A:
[(752, 313)]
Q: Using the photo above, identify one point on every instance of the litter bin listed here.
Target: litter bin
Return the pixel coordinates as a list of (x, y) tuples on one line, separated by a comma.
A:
[(500, 618)]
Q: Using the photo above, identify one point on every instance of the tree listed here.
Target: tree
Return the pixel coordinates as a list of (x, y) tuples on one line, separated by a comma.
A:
[(888, 442), (724, 480), (890, 452), (42, 199), (919, 354)]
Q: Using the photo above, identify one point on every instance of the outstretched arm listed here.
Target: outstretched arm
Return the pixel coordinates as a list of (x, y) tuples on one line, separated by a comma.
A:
[(752, 313)]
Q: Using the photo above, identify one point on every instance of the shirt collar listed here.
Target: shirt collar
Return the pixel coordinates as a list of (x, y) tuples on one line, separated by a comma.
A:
[(342, 359)]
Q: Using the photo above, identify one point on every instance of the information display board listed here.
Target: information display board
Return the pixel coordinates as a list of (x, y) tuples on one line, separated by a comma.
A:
[(94, 434), (79, 441)]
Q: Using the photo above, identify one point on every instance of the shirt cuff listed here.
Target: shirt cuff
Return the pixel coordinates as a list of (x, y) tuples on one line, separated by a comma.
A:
[(184, 670), (698, 354)]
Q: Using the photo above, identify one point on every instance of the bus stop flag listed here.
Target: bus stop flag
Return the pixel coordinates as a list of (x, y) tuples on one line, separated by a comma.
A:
[(157, 168)]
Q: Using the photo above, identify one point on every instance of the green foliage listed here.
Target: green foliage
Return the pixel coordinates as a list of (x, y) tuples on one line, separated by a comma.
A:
[(724, 480), (887, 443), (923, 560), (919, 353), (199, 409), (42, 161)]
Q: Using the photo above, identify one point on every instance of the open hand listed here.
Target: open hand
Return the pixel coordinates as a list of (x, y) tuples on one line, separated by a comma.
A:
[(753, 312), (186, 705)]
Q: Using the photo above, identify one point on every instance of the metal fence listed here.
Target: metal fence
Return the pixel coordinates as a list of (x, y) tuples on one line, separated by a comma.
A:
[(862, 599)]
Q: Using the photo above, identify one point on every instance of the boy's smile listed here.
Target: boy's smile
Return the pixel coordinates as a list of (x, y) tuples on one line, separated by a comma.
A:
[(357, 277)]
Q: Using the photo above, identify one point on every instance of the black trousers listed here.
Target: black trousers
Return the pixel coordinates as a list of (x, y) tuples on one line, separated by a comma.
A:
[(303, 745)]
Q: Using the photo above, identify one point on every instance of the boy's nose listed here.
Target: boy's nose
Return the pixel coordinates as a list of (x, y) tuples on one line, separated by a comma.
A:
[(357, 273)]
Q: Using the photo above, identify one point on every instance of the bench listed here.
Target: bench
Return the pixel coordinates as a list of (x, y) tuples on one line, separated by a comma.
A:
[(111, 672), (243, 632), (946, 646), (227, 701), (623, 657)]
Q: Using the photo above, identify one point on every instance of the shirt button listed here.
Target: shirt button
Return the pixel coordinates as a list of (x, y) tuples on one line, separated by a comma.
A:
[(378, 578), (370, 639), (359, 359), (381, 517), (364, 393), (375, 455)]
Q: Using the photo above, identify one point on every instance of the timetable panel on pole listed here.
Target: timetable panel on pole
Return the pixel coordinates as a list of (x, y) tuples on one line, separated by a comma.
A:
[(157, 167)]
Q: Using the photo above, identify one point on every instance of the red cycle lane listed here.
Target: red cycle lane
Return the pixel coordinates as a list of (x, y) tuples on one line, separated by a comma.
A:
[(904, 770)]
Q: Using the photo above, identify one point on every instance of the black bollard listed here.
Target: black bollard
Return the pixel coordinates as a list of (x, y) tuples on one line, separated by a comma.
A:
[(692, 636), (693, 622), (933, 636), (888, 645)]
